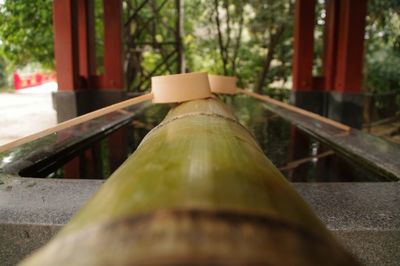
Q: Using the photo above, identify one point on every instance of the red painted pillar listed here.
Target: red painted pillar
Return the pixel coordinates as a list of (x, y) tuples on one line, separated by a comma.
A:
[(113, 77), (67, 59), (118, 148), (350, 47), (113, 67), (299, 148), (66, 44), (330, 43), (75, 45), (86, 33), (72, 169), (303, 45), (74, 29)]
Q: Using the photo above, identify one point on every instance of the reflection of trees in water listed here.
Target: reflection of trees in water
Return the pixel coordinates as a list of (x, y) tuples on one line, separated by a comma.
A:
[(26, 150)]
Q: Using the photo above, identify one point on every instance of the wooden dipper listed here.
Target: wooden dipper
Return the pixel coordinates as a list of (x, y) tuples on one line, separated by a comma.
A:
[(164, 89), (222, 84)]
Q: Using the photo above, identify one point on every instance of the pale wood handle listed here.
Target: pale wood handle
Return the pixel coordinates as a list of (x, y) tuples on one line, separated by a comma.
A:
[(77, 120), (295, 109)]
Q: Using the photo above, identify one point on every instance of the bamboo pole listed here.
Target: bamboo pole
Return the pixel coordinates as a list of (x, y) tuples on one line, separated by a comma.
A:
[(198, 190)]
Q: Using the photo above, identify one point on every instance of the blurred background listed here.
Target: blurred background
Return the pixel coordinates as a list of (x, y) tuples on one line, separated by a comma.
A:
[(251, 39)]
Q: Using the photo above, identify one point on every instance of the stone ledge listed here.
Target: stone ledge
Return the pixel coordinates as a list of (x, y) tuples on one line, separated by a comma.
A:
[(364, 216)]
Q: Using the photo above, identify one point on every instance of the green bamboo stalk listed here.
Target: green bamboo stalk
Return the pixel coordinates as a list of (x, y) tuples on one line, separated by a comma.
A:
[(199, 191)]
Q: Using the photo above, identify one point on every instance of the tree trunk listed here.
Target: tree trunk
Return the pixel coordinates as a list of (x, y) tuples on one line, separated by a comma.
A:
[(222, 47), (273, 43)]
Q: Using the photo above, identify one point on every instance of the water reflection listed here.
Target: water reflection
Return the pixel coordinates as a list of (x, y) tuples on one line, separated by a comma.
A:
[(299, 157)]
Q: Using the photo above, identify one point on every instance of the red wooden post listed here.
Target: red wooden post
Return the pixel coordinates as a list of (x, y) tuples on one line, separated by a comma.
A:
[(118, 148), (330, 43), (303, 45), (299, 147), (350, 45), (113, 77), (72, 169), (113, 69), (66, 44), (76, 65), (87, 55)]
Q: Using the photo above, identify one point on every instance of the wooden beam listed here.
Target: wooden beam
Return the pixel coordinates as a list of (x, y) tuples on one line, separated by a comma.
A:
[(350, 46), (303, 45), (66, 44)]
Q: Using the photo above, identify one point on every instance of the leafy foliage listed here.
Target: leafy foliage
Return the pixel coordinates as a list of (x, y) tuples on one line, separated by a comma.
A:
[(151, 41), (252, 39), (26, 32), (383, 46), (3, 78)]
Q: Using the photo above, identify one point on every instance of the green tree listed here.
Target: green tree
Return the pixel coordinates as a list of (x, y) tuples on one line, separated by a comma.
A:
[(3, 77), (26, 32), (251, 39), (382, 56), (151, 39)]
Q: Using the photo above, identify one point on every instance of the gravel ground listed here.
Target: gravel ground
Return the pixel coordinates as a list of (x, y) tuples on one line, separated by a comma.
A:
[(22, 114)]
